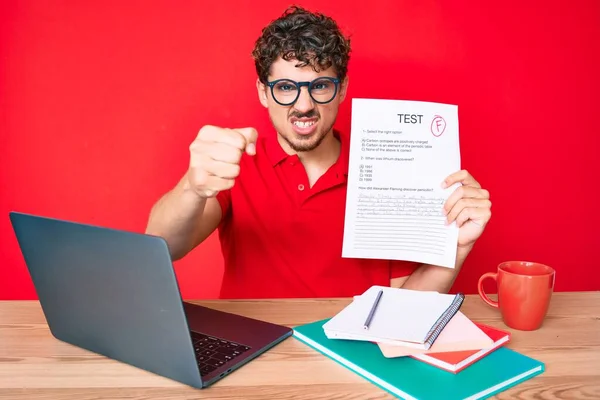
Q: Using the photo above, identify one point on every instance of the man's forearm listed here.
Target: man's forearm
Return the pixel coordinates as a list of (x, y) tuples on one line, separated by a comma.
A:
[(432, 277), (176, 217)]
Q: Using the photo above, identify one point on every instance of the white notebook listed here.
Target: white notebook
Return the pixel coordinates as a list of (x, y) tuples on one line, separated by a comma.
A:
[(413, 317)]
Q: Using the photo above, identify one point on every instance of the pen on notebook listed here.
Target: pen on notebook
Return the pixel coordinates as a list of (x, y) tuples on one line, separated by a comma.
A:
[(373, 308)]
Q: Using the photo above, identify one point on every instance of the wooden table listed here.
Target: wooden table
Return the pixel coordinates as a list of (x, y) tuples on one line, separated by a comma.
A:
[(34, 365)]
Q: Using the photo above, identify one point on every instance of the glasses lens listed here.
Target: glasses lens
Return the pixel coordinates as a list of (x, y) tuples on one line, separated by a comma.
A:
[(285, 92), (323, 90)]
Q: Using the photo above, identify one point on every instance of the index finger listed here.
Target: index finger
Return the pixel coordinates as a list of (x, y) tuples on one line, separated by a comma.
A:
[(463, 177), (221, 135)]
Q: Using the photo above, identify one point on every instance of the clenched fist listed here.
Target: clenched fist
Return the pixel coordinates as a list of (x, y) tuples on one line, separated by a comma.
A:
[(215, 158)]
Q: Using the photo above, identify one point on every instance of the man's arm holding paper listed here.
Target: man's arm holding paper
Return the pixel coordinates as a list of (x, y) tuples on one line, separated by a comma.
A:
[(469, 205)]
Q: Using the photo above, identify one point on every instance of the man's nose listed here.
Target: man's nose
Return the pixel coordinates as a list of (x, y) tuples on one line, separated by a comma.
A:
[(304, 102)]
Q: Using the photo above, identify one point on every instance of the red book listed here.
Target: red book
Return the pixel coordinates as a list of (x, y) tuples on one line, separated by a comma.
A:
[(456, 361)]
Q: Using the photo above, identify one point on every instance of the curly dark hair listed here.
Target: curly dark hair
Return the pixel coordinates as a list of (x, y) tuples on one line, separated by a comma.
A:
[(311, 38)]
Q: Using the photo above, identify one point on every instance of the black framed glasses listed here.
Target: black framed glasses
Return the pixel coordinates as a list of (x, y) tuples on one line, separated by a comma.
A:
[(322, 90)]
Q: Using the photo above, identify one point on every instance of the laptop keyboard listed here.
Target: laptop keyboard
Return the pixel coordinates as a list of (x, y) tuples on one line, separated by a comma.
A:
[(213, 352)]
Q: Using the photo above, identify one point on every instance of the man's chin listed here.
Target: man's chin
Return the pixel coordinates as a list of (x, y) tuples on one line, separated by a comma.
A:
[(303, 143)]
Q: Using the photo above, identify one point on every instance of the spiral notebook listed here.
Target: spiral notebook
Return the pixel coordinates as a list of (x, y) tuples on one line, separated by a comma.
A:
[(403, 317)]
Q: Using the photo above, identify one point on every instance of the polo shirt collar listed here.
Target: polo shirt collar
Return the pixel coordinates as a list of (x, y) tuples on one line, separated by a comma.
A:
[(276, 153), (343, 161)]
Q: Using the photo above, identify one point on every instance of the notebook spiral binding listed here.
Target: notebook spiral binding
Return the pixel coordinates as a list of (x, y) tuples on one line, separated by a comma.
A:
[(443, 320)]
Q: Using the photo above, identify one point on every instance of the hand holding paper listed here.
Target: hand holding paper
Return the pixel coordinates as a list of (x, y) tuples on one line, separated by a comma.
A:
[(469, 205)]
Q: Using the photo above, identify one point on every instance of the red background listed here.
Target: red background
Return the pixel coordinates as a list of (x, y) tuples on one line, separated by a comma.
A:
[(100, 100)]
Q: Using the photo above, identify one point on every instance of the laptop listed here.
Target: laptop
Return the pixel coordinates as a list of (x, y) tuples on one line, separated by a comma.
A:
[(115, 293)]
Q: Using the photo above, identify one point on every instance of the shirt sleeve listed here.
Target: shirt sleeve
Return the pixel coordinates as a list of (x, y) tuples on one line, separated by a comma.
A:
[(224, 199), (400, 269)]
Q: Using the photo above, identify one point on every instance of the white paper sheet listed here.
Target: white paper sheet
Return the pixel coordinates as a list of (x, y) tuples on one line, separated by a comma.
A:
[(400, 152)]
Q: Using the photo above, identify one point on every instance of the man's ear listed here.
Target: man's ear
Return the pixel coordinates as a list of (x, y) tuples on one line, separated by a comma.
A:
[(343, 88), (261, 88)]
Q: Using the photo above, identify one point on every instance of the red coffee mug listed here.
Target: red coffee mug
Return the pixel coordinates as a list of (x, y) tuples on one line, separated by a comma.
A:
[(524, 292)]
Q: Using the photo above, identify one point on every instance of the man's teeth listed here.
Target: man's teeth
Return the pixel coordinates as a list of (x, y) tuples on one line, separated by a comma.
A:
[(303, 124)]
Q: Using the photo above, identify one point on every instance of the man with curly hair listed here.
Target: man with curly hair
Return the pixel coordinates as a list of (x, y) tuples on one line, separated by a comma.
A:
[(278, 198)]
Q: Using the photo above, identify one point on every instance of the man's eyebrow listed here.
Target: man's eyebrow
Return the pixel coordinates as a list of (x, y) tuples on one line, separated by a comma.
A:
[(270, 79)]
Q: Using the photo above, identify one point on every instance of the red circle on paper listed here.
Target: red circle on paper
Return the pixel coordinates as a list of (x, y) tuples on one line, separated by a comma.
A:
[(438, 126)]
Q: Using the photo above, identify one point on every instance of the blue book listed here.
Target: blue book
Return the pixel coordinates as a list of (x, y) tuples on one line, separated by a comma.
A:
[(408, 378)]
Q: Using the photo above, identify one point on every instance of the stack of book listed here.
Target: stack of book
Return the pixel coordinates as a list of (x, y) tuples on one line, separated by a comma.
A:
[(417, 344), (460, 344)]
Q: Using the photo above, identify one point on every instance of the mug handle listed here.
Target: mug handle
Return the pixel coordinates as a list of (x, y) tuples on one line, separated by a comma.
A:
[(484, 297)]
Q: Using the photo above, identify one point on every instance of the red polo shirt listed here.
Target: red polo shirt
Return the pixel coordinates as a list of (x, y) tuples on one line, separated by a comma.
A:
[(282, 238)]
